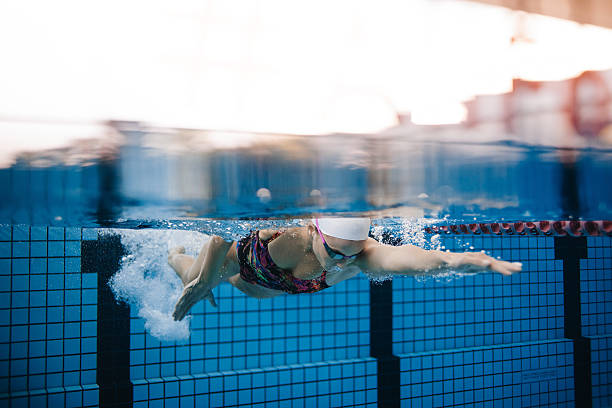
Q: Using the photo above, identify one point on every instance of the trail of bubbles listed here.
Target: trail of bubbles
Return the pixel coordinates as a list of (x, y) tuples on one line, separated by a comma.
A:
[(404, 231), (412, 231), (148, 284), (444, 277)]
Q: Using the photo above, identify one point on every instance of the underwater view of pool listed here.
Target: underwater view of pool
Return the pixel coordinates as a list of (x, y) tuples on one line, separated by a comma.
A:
[(87, 294)]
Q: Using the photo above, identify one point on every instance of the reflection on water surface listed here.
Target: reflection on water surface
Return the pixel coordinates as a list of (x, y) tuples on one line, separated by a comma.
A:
[(139, 177)]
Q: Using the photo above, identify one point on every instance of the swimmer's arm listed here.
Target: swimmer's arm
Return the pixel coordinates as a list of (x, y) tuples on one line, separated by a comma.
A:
[(380, 260)]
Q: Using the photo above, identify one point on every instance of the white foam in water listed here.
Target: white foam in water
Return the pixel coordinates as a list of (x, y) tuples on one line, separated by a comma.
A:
[(148, 284)]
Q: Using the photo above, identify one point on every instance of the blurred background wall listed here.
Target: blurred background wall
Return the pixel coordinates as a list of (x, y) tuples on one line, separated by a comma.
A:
[(346, 66), (267, 66), (596, 12)]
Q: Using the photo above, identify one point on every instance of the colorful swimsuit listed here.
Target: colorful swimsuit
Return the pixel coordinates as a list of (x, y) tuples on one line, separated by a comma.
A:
[(257, 267)]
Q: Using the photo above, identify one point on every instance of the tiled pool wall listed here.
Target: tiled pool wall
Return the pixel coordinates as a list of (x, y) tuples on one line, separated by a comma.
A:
[(48, 329), (483, 340), (487, 339)]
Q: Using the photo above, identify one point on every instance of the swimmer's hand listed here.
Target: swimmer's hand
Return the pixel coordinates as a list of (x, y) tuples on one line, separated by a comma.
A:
[(192, 294), (481, 262)]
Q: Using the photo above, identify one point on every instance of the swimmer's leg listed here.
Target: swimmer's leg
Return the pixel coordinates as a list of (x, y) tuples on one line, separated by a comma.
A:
[(181, 263), (205, 273)]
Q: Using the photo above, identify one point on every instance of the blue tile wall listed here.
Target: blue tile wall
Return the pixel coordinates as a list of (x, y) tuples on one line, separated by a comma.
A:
[(518, 375), (596, 309), (596, 287), (492, 310), (483, 340), (248, 333), (601, 368), (483, 309), (348, 383), (47, 318)]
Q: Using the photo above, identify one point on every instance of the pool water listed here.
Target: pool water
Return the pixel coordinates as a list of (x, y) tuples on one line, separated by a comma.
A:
[(70, 225), (155, 178)]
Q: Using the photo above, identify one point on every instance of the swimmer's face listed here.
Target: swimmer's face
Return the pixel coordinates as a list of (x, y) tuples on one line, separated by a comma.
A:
[(338, 251)]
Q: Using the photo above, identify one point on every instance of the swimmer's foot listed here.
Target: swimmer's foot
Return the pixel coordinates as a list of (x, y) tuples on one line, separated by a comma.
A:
[(176, 250), (172, 252)]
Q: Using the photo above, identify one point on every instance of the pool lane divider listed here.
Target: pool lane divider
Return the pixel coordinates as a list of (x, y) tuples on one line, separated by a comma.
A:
[(547, 228), (103, 257), (571, 250)]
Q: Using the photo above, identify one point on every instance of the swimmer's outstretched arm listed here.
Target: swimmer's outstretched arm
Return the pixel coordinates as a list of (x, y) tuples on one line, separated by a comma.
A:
[(207, 275), (384, 260)]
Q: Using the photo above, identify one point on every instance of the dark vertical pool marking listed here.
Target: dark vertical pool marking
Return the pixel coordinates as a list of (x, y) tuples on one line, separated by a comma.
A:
[(381, 338), (571, 250), (113, 352), (381, 344)]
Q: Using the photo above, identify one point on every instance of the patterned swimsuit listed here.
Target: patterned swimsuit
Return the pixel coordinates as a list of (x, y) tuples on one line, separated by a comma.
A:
[(257, 267)]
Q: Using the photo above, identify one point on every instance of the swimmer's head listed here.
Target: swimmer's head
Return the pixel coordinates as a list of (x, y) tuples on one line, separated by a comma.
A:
[(352, 229), (344, 237)]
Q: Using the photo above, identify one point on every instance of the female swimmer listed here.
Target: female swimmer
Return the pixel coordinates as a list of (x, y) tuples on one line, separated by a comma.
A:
[(269, 263)]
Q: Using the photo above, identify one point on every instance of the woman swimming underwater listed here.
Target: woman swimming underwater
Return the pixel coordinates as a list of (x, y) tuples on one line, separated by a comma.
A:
[(268, 263)]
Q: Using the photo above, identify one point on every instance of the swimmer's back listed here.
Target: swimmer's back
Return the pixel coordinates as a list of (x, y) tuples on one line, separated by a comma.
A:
[(292, 251)]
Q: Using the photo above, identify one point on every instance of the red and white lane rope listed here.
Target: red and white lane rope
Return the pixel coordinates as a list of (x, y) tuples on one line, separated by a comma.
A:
[(558, 228)]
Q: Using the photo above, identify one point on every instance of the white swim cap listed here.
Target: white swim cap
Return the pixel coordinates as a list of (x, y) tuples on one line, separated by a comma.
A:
[(354, 229)]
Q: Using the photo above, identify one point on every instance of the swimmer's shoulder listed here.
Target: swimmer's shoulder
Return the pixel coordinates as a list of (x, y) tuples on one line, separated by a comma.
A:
[(369, 252), (289, 249)]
